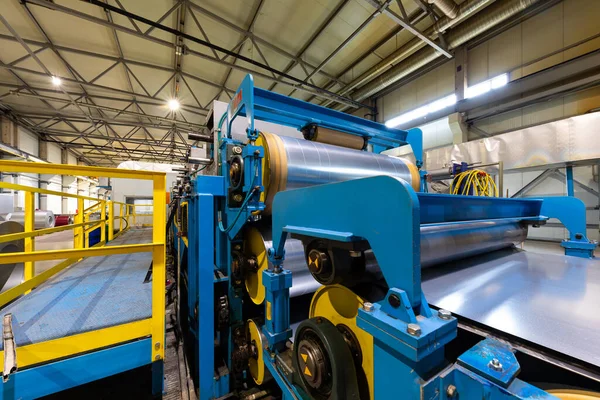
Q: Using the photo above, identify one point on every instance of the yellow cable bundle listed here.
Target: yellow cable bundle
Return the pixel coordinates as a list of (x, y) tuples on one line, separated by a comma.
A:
[(479, 182)]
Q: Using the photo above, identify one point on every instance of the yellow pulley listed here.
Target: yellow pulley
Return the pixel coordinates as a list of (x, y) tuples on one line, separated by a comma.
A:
[(340, 306)]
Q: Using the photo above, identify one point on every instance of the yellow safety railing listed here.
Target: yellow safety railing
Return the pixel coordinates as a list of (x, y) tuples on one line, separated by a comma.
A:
[(79, 343)]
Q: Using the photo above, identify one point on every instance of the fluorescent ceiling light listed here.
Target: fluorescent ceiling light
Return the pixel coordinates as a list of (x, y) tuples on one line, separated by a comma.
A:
[(422, 111), (486, 86)]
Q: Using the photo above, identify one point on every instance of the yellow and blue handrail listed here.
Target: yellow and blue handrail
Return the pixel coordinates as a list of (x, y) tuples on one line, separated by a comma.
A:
[(153, 327)]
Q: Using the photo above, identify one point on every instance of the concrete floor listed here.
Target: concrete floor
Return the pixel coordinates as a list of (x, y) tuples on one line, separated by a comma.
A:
[(53, 241)]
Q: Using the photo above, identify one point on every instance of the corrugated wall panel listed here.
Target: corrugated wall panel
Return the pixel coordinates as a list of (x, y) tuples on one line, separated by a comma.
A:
[(432, 86)]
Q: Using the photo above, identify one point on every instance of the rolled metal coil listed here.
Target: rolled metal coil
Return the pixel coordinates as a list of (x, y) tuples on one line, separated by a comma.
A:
[(43, 218), (291, 163), (62, 220)]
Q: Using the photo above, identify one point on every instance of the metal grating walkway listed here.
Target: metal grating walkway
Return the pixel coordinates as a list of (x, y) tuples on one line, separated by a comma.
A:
[(95, 293)]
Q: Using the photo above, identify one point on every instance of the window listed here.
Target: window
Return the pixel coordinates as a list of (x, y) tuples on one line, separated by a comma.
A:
[(473, 91), (486, 86), (422, 111)]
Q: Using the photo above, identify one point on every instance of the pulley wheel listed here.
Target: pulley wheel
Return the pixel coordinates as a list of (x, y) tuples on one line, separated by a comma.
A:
[(323, 363)]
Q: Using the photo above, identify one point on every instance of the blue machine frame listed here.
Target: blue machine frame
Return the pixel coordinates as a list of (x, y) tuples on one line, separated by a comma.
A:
[(395, 212)]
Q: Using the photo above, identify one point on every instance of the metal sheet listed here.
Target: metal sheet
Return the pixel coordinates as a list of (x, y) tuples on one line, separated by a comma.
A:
[(439, 244), (311, 163), (545, 299), (554, 144)]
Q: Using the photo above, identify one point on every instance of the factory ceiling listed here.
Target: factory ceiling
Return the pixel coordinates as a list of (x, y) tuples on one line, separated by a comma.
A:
[(128, 79)]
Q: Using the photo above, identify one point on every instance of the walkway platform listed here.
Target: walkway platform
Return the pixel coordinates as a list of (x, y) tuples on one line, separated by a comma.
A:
[(95, 293)]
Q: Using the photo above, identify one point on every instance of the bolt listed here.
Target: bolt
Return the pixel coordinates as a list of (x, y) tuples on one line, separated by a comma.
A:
[(394, 300), (156, 346), (444, 314), (413, 329), (157, 357), (237, 150), (237, 197), (368, 307), (355, 253), (451, 391), (495, 364)]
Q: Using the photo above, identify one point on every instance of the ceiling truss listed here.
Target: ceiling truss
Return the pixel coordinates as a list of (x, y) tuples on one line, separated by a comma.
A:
[(75, 116)]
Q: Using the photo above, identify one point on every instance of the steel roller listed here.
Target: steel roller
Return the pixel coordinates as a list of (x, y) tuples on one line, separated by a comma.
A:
[(439, 244), (291, 163)]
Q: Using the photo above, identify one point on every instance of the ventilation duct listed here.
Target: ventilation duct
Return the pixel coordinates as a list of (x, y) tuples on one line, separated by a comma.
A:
[(496, 14), (465, 10), (448, 7)]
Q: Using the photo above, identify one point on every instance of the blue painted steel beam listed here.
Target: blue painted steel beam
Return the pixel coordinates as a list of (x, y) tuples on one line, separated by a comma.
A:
[(75, 371), (570, 189), (256, 103), (438, 208), (376, 199), (201, 272)]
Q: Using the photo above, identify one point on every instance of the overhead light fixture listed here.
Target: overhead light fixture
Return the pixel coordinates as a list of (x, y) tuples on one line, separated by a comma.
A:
[(485, 86), (173, 104), (422, 111), (56, 81)]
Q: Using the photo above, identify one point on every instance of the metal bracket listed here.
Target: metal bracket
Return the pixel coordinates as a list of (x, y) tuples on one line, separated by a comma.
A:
[(10, 348)]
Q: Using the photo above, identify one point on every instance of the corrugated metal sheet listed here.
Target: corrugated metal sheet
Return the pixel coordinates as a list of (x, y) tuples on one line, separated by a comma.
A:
[(569, 140)]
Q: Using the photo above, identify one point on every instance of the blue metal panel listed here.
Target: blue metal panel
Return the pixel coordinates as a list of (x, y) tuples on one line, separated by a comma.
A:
[(243, 104), (376, 199), (253, 102), (415, 138), (61, 375), (277, 304), (570, 188), (437, 208), (204, 231), (571, 212)]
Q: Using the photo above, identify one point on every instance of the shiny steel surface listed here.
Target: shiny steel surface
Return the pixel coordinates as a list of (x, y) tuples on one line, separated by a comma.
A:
[(302, 280), (447, 242), (545, 299), (311, 163), (43, 219), (439, 244)]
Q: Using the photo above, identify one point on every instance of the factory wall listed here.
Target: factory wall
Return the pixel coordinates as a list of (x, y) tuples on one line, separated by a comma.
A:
[(52, 182), (535, 44), (560, 33), (28, 142)]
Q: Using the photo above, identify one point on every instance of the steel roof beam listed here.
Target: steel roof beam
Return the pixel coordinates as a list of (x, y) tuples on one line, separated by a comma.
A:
[(314, 37), (409, 27), (189, 125), (295, 82), (358, 30)]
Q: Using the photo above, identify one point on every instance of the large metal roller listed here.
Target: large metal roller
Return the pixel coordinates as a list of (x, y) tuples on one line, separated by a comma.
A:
[(291, 163), (453, 241), (439, 244)]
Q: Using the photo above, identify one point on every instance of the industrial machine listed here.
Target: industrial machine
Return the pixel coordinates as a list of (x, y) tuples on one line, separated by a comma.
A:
[(314, 267)]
